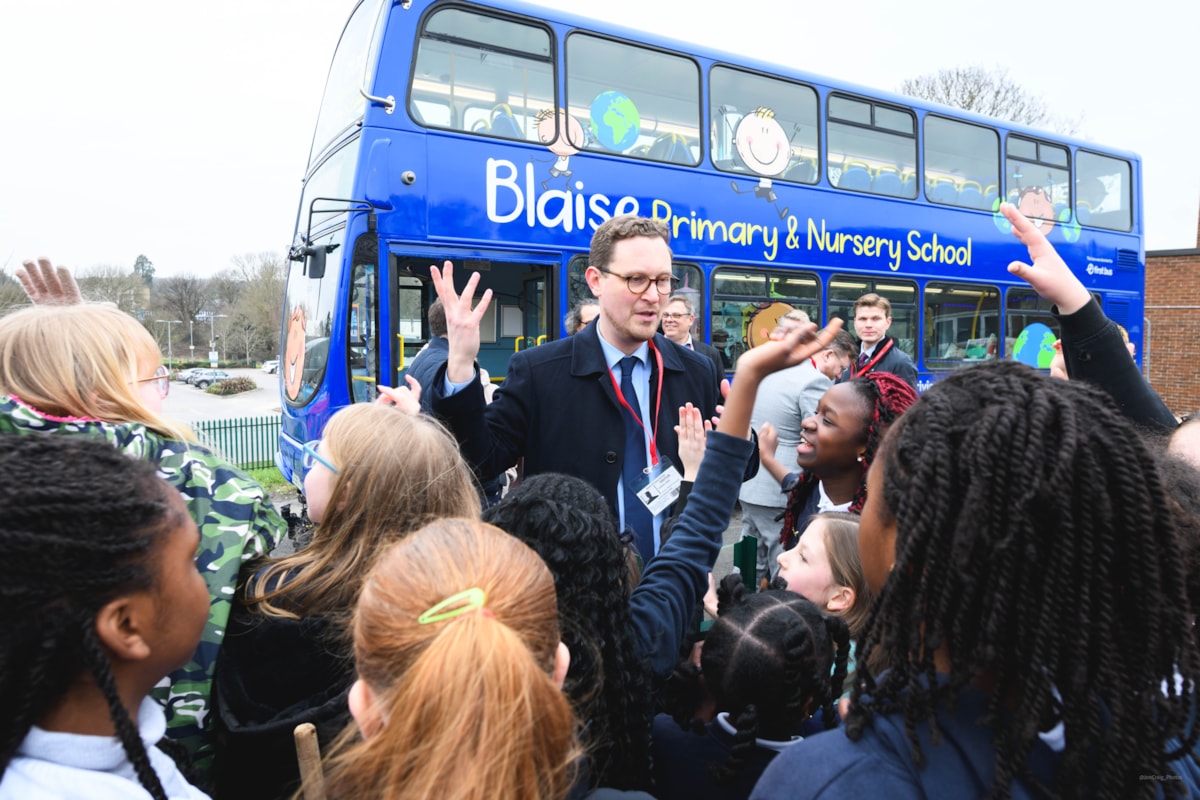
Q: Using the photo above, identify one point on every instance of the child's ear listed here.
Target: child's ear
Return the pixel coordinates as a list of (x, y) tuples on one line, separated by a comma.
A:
[(122, 624), (361, 701), (842, 599)]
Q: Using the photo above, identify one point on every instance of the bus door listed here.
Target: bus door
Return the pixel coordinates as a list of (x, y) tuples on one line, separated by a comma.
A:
[(516, 319)]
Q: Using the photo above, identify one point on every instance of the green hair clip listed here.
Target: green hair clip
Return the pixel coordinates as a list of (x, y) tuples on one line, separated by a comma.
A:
[(467, 600)]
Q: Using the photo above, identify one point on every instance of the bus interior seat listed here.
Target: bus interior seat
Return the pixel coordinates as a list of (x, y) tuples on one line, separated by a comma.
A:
[(803, 171), (943, 192), (888, 183), (970, 195), (504, 123), (671, 148), (989, 196), (855, 178)]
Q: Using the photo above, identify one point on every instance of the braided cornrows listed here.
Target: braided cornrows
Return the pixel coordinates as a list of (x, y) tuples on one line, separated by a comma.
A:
[(569, 525), (767, 661), (78, 521), (1034, 542)]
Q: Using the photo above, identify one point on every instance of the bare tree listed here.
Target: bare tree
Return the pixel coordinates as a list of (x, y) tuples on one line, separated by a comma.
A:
[(244, 335), (182, 296), (988, 92), (12, 296), (109, 283)]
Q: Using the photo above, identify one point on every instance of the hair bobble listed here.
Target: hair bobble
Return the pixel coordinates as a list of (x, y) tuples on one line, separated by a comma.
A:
[(455, 605)]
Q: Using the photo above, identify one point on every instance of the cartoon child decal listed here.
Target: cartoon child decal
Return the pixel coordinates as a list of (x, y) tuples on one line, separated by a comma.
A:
[(765, 320), (765, 149), (558, 136), (293, 356), (1035, 203), (1037, 206)]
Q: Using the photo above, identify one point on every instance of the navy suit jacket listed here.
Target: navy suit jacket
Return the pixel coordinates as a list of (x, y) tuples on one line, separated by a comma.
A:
[(557, 409), (425, 367), (710, 351)]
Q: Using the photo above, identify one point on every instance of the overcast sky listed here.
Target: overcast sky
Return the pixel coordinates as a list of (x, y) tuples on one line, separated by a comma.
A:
[(181, 131)]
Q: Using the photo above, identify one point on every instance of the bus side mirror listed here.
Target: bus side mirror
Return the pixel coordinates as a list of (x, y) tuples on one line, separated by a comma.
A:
[(315, 264)]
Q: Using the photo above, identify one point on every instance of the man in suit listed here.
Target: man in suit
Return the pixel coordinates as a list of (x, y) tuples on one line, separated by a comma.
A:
[(568, 406), (785, 399), (678, 317), (426, 364), (880, 353)]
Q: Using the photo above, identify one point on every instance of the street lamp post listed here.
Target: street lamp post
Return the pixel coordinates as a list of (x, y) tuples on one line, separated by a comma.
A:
[(191, 342), (212, 331), (170, 350)]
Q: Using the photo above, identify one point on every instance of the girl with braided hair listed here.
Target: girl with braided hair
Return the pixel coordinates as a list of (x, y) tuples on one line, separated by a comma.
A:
[(1030, 599), (92, 370), (460, 664), (837, 446), (770, 661), (101, 598)]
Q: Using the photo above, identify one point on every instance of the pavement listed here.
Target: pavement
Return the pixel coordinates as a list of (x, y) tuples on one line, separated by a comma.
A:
[(188, 404)]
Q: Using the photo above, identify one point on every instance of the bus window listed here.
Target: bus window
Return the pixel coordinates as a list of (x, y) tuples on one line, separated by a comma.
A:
[(1038, 178), (962, 325), (845, 289), (352, 71), (747, 305), (871, 147), (1103, 192), (741, 104), (626, 112), (482, 74), (962, 163)]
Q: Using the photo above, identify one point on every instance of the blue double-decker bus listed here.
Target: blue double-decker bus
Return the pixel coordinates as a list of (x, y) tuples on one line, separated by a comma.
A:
[(500, 135)]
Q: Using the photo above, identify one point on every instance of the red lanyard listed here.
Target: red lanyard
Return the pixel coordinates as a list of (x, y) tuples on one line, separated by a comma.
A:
[(657, 403), (855, 372)]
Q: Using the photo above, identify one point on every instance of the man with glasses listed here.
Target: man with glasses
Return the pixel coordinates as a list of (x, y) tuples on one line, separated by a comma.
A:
[(571, 405), (677, 320)]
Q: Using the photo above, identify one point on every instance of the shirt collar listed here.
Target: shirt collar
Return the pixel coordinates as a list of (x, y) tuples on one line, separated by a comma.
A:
[(613, 356)]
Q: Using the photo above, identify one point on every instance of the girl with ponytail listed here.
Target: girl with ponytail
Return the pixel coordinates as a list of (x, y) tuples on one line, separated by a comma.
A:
[(460, 668)]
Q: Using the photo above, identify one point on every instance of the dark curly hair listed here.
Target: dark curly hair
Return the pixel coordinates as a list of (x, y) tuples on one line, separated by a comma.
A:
[(569, 524), (886, 396), (771, 660), (1034, 548), (79, 525)]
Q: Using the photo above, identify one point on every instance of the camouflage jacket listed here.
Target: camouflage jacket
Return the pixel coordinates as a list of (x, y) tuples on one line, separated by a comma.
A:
[(237, 523)]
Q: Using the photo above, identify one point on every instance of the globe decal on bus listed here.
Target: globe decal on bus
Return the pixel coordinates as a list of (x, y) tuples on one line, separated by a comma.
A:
[(1035, 346), (615, 121)]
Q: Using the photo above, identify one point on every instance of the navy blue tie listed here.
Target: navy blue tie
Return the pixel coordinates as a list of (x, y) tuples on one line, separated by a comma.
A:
[(633, 469)]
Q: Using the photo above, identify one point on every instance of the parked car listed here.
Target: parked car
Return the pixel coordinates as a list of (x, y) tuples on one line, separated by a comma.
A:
[(271, 367), (184, 375), (206, 377)]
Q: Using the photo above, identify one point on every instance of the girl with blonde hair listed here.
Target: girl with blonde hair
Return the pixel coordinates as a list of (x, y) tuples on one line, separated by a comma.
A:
[(377, 474), (91, 369), (460, 668)]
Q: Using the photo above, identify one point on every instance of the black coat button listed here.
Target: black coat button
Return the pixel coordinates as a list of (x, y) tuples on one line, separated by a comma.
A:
[(610, 457)]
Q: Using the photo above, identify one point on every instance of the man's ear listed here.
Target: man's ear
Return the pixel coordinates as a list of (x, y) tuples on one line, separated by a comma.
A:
[(842, 599), (593, 276), (122, 624)]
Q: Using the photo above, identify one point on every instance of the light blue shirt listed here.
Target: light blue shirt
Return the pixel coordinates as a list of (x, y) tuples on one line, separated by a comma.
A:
[(641, 385)]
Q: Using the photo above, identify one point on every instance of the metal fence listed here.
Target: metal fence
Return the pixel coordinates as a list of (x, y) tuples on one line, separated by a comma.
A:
[(250, 442)]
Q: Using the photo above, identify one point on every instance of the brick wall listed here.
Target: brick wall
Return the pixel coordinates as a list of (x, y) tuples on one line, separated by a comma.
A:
[(1173, 308)]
